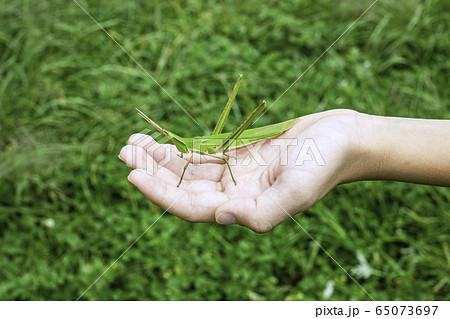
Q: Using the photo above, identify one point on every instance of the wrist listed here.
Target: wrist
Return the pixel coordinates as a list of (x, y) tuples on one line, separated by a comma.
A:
[(352, 131), (364, 153)]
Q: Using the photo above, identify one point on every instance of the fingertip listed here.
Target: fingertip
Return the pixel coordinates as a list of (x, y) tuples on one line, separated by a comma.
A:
[(140, 139), (137, 175), (133, 156), (226, 219), (132, 138), (123, 152)]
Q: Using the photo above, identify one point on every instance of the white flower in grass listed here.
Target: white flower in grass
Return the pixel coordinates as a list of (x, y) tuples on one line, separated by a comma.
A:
[(49, 222), (329, 289), (344, 83), (363, 270)]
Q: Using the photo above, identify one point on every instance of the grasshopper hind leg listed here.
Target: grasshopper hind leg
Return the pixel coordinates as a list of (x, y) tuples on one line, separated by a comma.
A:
[(228, 165)]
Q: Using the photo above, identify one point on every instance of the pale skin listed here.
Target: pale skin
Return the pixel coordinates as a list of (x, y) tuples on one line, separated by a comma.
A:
[(273, 185)]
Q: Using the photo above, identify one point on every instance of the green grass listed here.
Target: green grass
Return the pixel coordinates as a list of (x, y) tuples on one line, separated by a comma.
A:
[(67, 96)]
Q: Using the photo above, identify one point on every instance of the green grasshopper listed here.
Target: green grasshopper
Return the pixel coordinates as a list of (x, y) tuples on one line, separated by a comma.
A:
[(219, 142)]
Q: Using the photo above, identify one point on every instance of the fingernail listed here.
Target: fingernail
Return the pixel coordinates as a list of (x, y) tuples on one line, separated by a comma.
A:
[(226, 219), (119, 157), (138, 170)]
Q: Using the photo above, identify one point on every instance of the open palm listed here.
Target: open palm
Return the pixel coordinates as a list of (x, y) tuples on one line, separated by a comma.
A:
[(276, 178)]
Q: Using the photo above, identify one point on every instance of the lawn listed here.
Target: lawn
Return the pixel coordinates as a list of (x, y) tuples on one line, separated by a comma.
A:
[(67, 106)]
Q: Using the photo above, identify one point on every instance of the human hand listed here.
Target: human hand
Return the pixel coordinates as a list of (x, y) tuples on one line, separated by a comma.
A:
[(276, 178)]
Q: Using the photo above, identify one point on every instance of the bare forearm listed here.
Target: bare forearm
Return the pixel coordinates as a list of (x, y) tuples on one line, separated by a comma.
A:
[(402, 149)]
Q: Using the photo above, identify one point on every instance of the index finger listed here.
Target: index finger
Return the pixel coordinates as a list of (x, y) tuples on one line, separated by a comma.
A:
[(184, 203)]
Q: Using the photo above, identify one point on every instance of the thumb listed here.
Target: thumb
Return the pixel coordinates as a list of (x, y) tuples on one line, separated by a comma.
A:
[(245, 212)]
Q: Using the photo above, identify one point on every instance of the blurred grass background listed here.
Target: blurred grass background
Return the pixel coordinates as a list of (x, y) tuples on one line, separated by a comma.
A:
[(67, 96)]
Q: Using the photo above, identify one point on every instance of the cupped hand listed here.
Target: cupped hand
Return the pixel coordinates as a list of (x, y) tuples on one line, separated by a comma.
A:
[(276, 178)]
